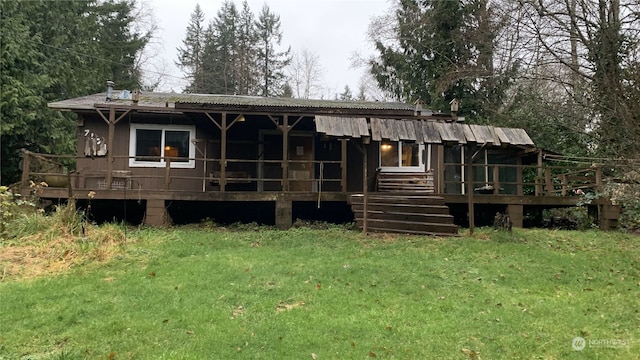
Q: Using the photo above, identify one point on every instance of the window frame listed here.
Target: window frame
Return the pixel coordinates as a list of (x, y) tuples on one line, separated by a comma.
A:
[(401, 168), (133, 162)]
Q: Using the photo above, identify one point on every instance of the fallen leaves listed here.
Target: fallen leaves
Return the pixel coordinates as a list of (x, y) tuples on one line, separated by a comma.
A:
[(283, 306), (238, 311)]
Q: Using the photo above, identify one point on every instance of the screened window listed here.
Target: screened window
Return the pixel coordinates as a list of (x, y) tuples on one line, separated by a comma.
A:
[(154, 145)]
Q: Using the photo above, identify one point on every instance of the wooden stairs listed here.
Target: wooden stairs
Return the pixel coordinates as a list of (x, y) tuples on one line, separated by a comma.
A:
[(404, 212)]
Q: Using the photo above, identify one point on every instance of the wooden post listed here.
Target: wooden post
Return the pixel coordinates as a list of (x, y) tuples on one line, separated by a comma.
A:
[(598, 170), (343, 165), (539, 177), (26, 165), (112, 132), (496, 179), (223, 152), (547, 180), (365, 189), (470, 192), (285, 152), (441, 169), (516, 214), (283, 212), (167, 173), (564, 185)]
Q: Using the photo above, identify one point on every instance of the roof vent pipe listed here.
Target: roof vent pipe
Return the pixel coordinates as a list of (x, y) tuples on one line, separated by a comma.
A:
[(109, 89)]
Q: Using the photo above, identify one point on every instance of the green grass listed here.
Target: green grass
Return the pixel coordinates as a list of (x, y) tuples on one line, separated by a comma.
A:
[(334, 294)]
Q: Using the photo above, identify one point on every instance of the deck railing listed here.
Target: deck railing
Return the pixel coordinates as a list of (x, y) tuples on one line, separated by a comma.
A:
[(545, 180), (300, 176), (235, 175)]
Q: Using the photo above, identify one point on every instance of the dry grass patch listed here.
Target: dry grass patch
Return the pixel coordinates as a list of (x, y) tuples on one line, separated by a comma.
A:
[(51, 244)]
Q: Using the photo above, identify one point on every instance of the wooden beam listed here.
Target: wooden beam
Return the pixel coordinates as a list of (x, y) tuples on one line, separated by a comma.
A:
[(285, 152), (223, 152), (365, 189), (343, 164), (112, 132), (26, 160), (213, 120), (470, 192)]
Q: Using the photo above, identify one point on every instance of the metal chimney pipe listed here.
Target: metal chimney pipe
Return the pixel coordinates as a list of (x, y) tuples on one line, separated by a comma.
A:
[(109, 89)]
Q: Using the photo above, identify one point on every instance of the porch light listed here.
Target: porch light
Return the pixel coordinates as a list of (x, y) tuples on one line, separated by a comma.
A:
[(167, 148), (386, 147), (241, 119)]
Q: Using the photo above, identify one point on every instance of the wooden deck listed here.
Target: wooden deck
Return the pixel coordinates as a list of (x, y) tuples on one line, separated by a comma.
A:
[(551, 186)]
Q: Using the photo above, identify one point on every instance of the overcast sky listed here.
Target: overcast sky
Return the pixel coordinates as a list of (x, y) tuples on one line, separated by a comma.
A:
[(333, 29)]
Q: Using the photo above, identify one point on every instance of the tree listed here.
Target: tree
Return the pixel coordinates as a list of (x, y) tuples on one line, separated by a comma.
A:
[(305, 72), (346, 95), (220, 51), (51, 51), (437, 50), (247, 73), (191, 53), (592, 46), (271, 62)]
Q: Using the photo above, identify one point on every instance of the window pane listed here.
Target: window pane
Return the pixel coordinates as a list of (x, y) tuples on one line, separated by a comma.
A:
[(389, 153), (410, 154), (176, 144), (148, 143)]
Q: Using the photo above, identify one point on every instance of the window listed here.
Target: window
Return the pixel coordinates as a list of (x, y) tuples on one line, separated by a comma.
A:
[(401, 155), (150, 145)]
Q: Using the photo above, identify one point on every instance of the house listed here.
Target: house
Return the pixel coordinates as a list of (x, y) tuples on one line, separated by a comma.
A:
[(276, 158)]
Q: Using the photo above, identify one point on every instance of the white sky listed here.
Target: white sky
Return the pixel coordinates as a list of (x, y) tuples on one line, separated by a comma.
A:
[(332, 29)]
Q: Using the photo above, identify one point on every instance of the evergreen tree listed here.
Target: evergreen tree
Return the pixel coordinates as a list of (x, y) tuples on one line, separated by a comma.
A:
[(440, 50), (55, 50), (191, 53), (220, 51), (245, 66), (271, 62)]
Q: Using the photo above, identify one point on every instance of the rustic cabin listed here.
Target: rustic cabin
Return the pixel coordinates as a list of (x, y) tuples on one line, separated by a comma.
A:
[(165, 157)]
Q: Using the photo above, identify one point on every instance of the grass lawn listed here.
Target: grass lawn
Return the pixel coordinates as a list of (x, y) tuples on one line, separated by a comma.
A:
[(334, 294)]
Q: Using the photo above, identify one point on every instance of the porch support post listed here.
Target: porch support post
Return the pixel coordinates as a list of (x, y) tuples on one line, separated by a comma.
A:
[(156, 214), (284, 207), (285, 152), (26, 166), (471, 210), (111, 122), (516, 214), (112, 131), (343, 165), (365, 190), (223, 152), (539, 177)]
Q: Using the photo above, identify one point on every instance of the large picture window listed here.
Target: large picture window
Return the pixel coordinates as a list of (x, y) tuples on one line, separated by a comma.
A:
[(154, 145)]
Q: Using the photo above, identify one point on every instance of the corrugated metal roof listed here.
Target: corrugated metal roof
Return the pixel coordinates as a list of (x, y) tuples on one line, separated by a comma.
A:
[(421, 131), (187, 101)]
